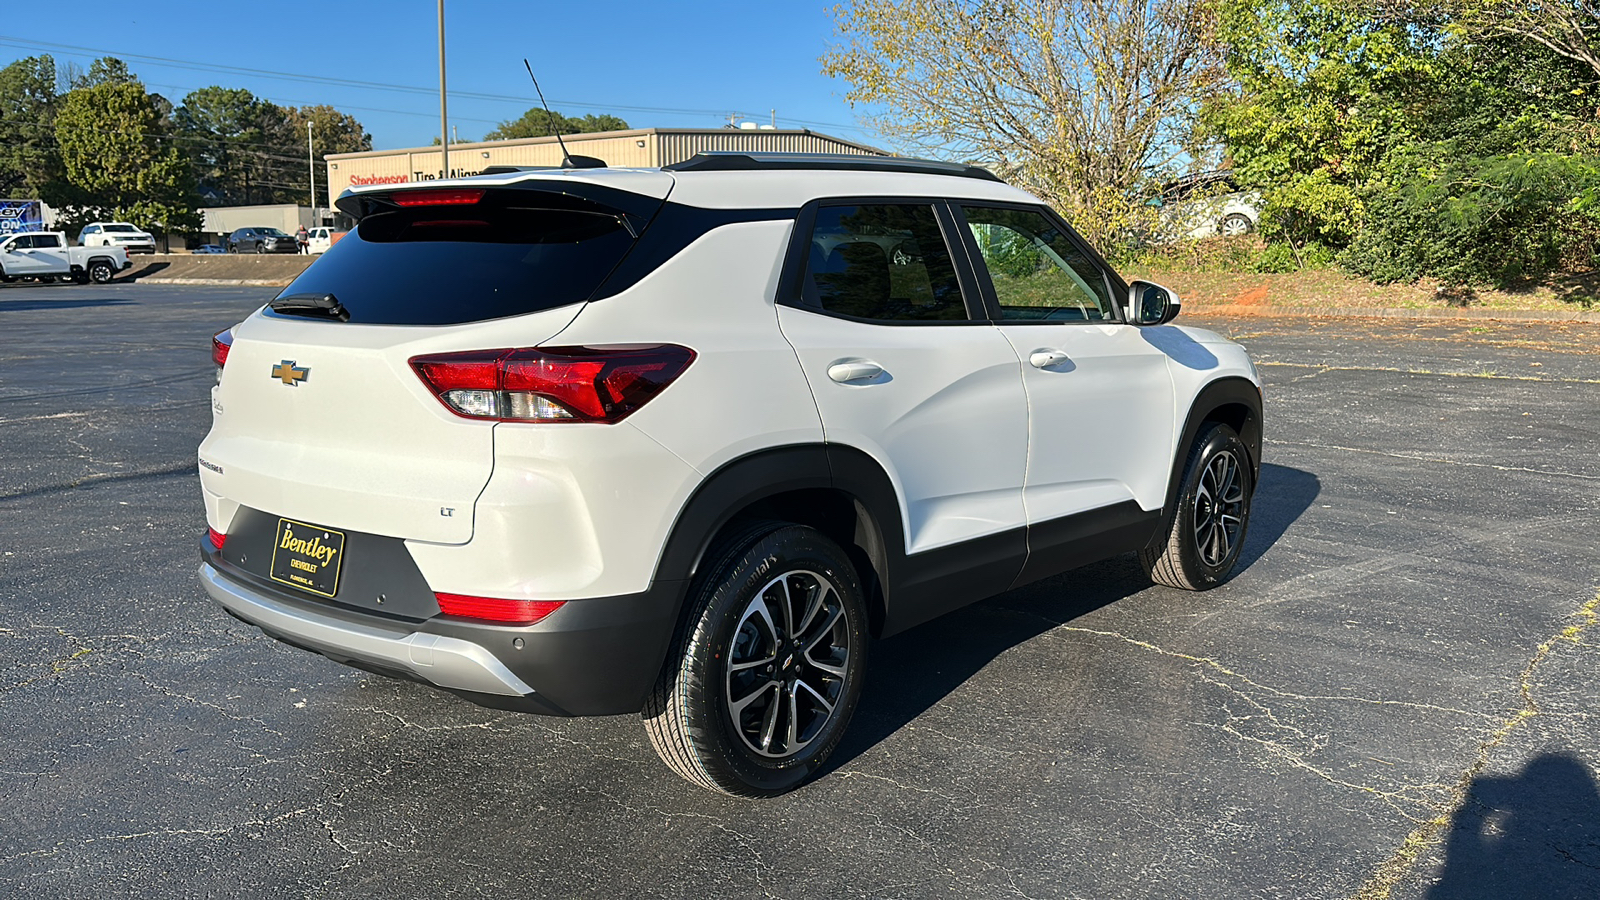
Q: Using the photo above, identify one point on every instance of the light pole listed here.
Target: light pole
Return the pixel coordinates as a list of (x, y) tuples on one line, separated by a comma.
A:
[(444, 119), (311, 169)]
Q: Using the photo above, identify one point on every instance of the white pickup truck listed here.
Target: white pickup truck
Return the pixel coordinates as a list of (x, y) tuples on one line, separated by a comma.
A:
[(45, 255)]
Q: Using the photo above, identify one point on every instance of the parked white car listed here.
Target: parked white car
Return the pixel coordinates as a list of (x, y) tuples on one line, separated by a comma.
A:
[(684, 442), (117, 234), (1207, 205), (45, 256)]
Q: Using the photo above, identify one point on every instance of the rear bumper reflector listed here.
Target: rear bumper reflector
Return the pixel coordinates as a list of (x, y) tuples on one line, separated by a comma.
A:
[(494, 609)]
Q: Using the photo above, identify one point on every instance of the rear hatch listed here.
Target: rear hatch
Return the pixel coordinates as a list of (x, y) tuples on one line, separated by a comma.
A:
[(319, 416)]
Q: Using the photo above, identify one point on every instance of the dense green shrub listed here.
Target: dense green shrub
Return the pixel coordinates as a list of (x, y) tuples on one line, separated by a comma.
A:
[(1281, 257), (1497, 219)]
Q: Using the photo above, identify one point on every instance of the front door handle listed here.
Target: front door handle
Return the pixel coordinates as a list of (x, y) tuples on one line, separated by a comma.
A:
[(854, 371), (1044, 359)]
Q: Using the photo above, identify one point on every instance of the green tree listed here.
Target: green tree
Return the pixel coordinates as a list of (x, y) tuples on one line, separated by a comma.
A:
[(537, 123), (30, 160), (248, 150), (1081, 101), (1321, 92), (118, 162), (105, 70), (332, 130)]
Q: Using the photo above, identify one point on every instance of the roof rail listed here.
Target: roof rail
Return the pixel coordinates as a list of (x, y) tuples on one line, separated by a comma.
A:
[(724, 161)]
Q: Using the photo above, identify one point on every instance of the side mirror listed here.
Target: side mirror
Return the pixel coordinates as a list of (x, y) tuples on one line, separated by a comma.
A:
[(1151, 304)]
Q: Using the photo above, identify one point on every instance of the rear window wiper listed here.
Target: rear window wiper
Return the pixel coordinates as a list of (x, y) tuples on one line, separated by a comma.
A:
[(324, 305)]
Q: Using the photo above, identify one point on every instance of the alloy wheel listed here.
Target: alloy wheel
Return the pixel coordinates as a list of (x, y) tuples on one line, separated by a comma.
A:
[(1218, 508), (787, 667)]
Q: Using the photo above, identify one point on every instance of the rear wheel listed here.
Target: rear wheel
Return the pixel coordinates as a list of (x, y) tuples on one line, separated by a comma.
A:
[(1235, 224), (100, 271), (767, 666), (1207, 529)]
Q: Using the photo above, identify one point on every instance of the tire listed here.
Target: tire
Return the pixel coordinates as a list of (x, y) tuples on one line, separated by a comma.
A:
[(1203, 538), (100, 271), (259, 248), (740, 707), (1235, 224)]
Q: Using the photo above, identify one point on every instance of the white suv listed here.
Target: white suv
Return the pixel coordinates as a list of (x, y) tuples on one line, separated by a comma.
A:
[(117, 234), (684, 441)]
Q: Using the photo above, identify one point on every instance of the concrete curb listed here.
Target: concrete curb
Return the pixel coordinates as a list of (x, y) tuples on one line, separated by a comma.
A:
[(256, 282), (1357, 312), (239, 269)]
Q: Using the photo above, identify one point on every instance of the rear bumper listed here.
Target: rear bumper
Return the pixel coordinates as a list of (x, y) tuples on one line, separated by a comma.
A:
[(442, 661), (591, 657)]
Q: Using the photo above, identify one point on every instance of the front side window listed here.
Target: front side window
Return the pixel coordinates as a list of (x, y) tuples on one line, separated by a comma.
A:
[(884, 262), (1039, 275)]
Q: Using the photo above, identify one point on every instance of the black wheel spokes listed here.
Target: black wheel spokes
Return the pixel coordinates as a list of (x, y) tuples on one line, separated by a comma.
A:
[(1218, 509), (787, 666)]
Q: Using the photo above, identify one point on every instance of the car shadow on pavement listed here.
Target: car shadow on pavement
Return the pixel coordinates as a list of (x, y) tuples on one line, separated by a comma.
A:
[(911, 672), (1535, 834), (38, 304), (1281, 498)]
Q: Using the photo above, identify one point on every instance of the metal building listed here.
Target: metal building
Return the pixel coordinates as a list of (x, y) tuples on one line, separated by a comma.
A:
[(640, 147)]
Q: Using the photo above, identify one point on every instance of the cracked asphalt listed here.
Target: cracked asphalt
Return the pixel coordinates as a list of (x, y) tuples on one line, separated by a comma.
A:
[(1394, 698)]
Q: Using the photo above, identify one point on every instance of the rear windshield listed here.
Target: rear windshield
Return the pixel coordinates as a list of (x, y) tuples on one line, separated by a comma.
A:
[(512, 253)]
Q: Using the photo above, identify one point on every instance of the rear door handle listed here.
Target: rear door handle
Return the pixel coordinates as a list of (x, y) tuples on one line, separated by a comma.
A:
[(854, 371), (1044, 359)]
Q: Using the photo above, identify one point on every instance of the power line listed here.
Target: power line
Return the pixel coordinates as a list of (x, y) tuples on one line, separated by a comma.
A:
[(401, 88)]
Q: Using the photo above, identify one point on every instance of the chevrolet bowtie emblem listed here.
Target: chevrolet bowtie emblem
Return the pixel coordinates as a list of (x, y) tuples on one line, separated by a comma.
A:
[(289, 373)]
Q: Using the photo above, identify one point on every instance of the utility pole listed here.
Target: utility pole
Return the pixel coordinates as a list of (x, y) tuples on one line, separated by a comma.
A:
[(444, 119), (311, 169)]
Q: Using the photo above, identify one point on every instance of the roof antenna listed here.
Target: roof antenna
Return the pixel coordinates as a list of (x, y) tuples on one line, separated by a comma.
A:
[(568, 161)]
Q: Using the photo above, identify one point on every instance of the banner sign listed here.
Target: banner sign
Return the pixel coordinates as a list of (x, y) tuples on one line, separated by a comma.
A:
[(21, 215)]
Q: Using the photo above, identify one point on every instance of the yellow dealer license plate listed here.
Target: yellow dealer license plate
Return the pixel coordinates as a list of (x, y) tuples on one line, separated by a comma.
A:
[(308, 557)]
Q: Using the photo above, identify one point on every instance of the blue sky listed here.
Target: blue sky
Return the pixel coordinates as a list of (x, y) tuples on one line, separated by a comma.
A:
[(653, 64)]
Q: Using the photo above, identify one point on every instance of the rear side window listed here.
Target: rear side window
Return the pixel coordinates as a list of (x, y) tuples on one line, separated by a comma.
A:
[(510, 253), (885, 262)]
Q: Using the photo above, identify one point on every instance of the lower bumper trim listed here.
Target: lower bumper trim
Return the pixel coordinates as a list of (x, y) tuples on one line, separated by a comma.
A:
[(440, 660)]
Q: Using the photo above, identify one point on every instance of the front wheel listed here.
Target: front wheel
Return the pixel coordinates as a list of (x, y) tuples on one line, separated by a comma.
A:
[(767, 666), (1207, 529)]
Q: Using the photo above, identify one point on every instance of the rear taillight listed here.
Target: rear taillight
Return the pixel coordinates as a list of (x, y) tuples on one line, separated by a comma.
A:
[(552, 384), (494, 609), (216, 537), (221, 343)]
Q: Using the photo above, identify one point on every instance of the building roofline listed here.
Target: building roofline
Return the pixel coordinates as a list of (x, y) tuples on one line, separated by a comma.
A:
[(601, 135)]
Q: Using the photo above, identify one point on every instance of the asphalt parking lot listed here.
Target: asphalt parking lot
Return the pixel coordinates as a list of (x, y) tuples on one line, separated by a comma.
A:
[(1394, 698)]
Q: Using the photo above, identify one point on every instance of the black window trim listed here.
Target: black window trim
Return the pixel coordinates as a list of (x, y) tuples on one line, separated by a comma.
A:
[(790, 282), (980, 272)]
